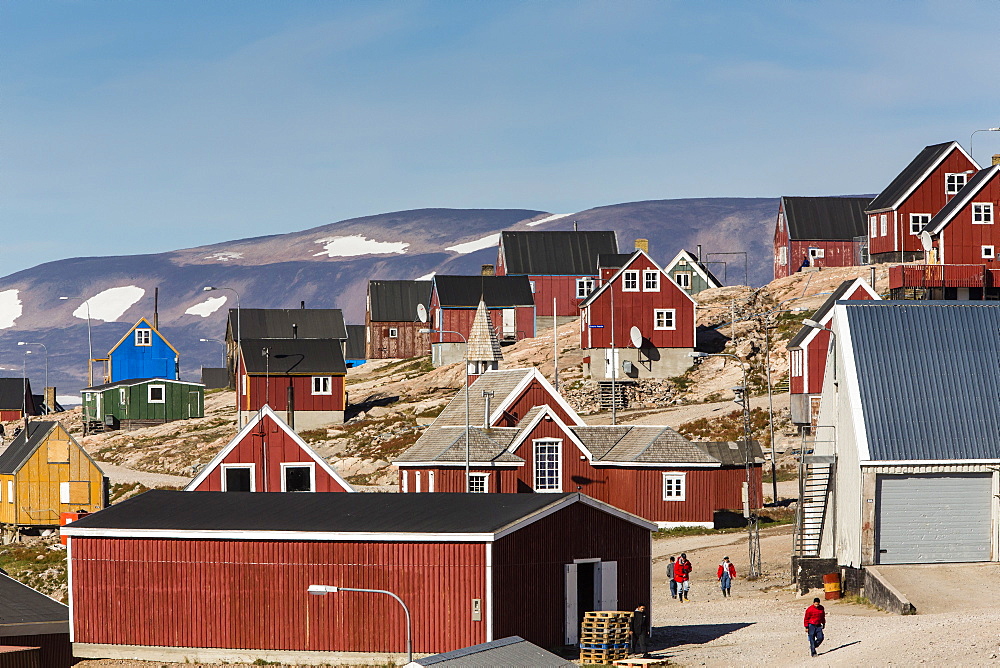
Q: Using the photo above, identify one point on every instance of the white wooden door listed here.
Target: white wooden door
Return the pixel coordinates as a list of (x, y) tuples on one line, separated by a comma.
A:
[(572, 630), (607, 582), (611, 363), (509, 326)]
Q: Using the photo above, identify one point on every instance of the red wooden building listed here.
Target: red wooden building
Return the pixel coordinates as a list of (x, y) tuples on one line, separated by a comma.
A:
[(561, 265), (899, 213), (267, 456), (454, 300), (16, 399), (214, 576), (807, 352), (392, 328), (31, 619), (641, 295), (304, 378), (818, 232)]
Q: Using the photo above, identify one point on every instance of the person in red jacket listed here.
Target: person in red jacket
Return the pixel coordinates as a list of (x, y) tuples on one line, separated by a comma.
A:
[(815, 622), (726, 573), (682, 576)]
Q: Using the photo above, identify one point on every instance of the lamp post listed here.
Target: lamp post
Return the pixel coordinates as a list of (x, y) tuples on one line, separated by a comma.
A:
[(90, 339), (833, 340), (223, 347), (28, 343), (974, 134), (467, 427), (322, 590), (239, 394)]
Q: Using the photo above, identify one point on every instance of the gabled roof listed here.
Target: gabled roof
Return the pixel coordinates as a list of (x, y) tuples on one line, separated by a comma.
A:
[(483, 345), (612, 260), (27, 442), (825, 218), (293, 356), (13, 395), (961, 199), (555, 253), (276, 323), (496, 291), (512, 652), (138, 381), (695, 265), (824, 312), (397, 301), (447, 445), (914, 174), (266, 413), (26, 612), (506, 385), (355, 342), (635, 256), (145, 325)]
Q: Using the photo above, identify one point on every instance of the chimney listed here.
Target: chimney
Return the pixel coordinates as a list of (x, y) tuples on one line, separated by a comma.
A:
[(489, 270), (996, 159), (699, 253), (302, 304), (576, 226), (487, 396), (156, 308), (643, 245), (50, 399)]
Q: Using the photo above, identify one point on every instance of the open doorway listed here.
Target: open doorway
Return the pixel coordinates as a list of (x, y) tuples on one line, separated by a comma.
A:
[(591, 584)]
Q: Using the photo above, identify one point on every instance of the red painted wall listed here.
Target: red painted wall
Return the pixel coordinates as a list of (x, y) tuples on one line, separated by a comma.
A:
[(563, 289), (835, 254), (961, 240), (273, 390), (533, 395), (7, 416), (781, 241), (460, 320)]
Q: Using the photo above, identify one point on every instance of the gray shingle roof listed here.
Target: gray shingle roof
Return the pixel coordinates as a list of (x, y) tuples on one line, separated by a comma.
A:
[(447, 444), (483, 344), (733, 453), (655, 445), (512, 652), (501, 383)]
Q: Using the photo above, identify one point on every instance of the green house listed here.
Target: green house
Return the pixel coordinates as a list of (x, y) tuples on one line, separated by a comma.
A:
[(138, 402), (690, 274)]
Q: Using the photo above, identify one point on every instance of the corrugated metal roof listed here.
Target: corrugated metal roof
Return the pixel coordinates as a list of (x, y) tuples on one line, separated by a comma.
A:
[(397, 301), (293, 356), (276, 323), (612, 260), (891, 197), (496, 291), (512, 652), (555, 253), (21, 448), (20, 604), (956, 203), (928, 378), (825, 218)]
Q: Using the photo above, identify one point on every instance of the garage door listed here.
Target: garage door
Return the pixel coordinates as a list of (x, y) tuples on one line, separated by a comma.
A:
[(934, 518)]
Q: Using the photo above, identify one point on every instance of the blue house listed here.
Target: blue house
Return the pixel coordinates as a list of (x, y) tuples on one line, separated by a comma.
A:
[(142, 353)]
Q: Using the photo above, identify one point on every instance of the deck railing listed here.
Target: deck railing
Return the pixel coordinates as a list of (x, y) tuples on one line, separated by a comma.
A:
[(937, 276)]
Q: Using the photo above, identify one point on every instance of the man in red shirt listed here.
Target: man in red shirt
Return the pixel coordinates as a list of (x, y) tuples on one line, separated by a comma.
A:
[(815, 622), (682, 576)]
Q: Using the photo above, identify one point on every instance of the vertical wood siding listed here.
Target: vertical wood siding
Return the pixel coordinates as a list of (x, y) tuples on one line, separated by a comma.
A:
[(563, 289), (7, 416), (835, 254), (533, 395), (252, 594), (273, 390), (409, 343), (54, 651), (963, 240)]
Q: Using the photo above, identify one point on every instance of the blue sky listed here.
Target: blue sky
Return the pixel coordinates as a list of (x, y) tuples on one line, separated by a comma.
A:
[(146, 126)]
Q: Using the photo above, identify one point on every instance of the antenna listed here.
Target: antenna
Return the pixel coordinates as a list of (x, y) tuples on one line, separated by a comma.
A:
[(636, 337)]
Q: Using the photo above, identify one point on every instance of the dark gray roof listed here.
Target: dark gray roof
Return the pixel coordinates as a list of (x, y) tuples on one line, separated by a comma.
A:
[(555, 253), (249, 511), (893, 194), (276, 323), (928, 378), (136, 381), (294, 356), (21, 448), (825, 218), (12, 395), (612, 260), (396, 301), (355, 342), (214, 377), (20, 604), (496, 291), (838, 294), (512, 652), (963, 197)]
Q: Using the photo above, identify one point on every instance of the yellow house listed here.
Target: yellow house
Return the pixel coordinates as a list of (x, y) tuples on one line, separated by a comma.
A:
[(45, 472)]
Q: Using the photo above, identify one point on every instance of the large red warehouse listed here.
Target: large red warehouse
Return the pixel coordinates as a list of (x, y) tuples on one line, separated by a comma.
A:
[(223, 576)]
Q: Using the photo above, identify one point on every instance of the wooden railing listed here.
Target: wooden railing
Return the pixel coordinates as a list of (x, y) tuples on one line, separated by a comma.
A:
[(937, 276)]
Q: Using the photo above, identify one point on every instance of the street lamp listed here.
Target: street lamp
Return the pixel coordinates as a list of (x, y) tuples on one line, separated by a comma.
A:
[(239, 397), (322, 590), (223, 347), (833, 340), (974, 134), (467, 428), (90, 339), (48, 409)]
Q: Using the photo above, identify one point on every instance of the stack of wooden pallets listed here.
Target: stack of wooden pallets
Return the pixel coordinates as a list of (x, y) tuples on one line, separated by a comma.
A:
[(604, 636)]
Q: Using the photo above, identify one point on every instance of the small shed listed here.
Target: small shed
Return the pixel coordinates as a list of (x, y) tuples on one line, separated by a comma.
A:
[(16, 399), (392, 328), (142, 353), (355, 350), (817, 232), (283, 323), (45, 472), (140, 402), (470, 567), (29, 618)]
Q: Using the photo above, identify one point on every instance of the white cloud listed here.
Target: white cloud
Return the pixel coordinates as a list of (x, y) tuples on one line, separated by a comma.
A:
[(207, 307), (357, 244), (10, 308), (224, 256), (549, 219), (110, 304), (478, 244)]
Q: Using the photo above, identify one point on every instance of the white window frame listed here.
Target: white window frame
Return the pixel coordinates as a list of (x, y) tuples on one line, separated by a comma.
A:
[(917, 222), (394, 332), (253, 474), (10, 491), (796, 362), (484, 478), (531, 283), (982, 213), (430, 481), (649, 285), (404, 483), (665, 311), (537, 445), (630, 277), (325, 383), (143, 337), (954, 182), (988, 252), (873, 226), (416, 481), (163, 395), (683, 279), (676, 481), (312, 473), (816, 253), (883, 222), (64, 493), (783, 256), (584, 286), (121, 395)]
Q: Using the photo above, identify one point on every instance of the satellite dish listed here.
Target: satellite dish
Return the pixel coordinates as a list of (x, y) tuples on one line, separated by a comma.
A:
[(636, 337), (925, 241), (421, 313)]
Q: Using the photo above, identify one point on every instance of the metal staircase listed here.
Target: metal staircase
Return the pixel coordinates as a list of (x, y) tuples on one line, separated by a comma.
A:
[(782, 386), (814, 495)]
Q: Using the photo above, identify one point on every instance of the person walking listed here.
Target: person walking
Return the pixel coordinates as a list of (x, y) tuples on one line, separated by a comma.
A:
[(682, 575), (726, 573), (670, 576), (815, 622), (639, 626)]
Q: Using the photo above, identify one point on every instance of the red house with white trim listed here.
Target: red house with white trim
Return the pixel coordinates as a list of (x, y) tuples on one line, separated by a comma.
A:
[(817, 232), (641, 295), (267, 456)]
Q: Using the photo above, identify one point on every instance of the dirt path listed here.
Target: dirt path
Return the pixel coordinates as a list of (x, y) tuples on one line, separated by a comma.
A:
[(122, 474)]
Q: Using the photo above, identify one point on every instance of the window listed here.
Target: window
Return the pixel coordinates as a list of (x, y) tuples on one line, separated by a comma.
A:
[(796, 362), (479, 483), (531, 283), (817, 253), (143, 337), (322, 385), (664, 318), (954, 182), (430, 481), (883, 223), (238, 478), (683, 279), (416, 481), (783, 256), (988, 252), (10, 491), (121, 395), (917, 222), (673, 486), (630, 281), (298, 477), (651, 281), (872, 226), (393, 334), (156, 394), (548, 477), (584, 286), (982, 213), (76, 492), (404, 480)]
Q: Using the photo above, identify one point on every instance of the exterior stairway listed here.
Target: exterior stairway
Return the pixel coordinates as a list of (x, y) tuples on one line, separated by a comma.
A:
[(618, 397), (814, 491)]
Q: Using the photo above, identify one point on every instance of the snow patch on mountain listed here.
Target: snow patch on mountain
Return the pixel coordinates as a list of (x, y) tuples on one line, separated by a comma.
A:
[(549, 219), (357, 244), (426, 277), (478, 244), (224, 256), (110, 304), (10, 308), (207, 307)]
